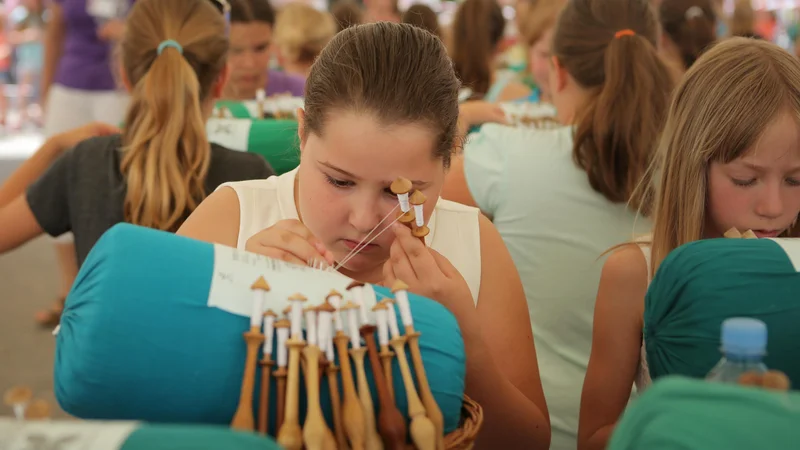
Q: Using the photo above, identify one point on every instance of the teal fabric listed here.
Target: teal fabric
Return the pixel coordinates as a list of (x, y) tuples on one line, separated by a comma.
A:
[(684, 414), (701, 284), (193, 437), (138, 341)]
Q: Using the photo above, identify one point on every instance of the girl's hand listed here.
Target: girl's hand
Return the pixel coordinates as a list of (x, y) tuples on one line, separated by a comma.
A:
[(68, 139), (429, 274), (289, 240)]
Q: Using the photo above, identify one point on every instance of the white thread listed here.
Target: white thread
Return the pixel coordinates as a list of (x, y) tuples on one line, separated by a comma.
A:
[(358, 247), (404, 205), (420, 217), (346, 260)]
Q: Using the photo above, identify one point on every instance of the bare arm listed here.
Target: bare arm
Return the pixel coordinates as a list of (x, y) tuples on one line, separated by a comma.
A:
[(29, 171), (216, 220), (53, 46), (503, 374), (616, 344)]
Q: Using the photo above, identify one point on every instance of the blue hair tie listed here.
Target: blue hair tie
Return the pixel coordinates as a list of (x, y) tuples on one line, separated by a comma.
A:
[(170, 43)]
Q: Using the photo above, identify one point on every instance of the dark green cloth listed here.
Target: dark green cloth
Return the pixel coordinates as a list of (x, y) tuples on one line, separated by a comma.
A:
[(683, 414), (701, 284)]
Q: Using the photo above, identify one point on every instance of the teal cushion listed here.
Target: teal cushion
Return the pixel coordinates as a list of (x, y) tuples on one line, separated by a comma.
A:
[(139, 341), (683, 414), (701, 284)]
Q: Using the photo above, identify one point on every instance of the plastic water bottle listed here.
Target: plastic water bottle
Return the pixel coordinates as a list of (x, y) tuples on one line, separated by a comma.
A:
[(744, 344)]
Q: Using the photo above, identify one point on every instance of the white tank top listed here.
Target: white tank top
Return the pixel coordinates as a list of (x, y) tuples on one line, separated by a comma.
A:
[(454, 229)]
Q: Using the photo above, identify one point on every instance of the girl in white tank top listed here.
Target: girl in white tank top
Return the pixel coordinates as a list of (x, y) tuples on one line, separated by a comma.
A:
[(375, 112)]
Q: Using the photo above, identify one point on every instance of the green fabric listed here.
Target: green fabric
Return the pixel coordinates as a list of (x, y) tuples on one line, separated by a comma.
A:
[(193, 437), (682, 414), (701, 284), (275, 140), (238, 109)]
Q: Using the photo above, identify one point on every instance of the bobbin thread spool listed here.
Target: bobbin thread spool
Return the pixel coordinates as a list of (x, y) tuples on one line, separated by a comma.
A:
[(243, 418), (391, 422), (432, 410), (420, 230), (282, 331), (290, 434), (352, 413), (372, 439), (401, 187), (316, 434), (266, 369), (18, 398), (326, 313)]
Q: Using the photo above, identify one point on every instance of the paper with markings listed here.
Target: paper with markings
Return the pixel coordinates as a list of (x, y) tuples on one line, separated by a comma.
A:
[(236, 270)]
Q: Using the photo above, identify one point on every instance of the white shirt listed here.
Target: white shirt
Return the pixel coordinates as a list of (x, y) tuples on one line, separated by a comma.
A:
[(454, 228), (556, 228)]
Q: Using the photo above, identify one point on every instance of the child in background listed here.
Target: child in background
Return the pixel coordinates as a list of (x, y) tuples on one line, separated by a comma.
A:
[(28, 20), (736, 167), (301, 32)]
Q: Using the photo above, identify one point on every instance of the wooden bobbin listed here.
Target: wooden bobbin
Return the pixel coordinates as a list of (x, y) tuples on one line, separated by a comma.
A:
[(290, 435), (423, 432), (243, 419), (391, 423), (18, 398), (316, 434), (352, 414), (263, 401), (417, 199), (402, 186), (280, 381), (432, 409)]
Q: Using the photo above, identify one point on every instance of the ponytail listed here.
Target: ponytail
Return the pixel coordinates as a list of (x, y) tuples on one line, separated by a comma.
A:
[(619, 129), (478, 27), (690, 25), (166, 151)]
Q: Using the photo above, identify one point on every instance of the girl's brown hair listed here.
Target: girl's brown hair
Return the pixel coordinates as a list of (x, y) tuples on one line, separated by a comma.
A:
[(166, 151), (478, 27), (609, 49), (362, 70), (691, 25), (721, 108), (424, 17)]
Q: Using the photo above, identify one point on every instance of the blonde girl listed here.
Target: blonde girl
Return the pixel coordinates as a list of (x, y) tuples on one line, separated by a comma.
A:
[(729, 158), (161, 166)]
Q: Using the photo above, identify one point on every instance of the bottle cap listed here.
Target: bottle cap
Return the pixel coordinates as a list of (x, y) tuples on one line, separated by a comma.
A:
[(744, 336)]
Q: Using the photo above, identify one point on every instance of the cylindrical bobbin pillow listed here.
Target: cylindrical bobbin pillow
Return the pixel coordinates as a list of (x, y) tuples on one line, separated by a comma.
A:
[(677, 413), (701, 284), (152, 330)]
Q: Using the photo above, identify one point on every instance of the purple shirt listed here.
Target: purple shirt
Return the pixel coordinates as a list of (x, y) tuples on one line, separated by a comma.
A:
[(85, 59), (282, 82)]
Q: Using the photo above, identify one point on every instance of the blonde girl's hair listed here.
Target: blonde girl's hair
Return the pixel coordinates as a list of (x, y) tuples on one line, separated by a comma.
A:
[(724, 104), (166, 152), (301, 32)]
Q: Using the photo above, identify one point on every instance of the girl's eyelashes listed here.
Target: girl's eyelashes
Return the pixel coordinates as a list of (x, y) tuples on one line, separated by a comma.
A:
[(338, 183), (743, 183), (793, 181), (343, 184)]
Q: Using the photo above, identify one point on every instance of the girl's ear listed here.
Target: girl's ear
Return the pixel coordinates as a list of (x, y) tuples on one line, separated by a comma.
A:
[(561, 75)]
